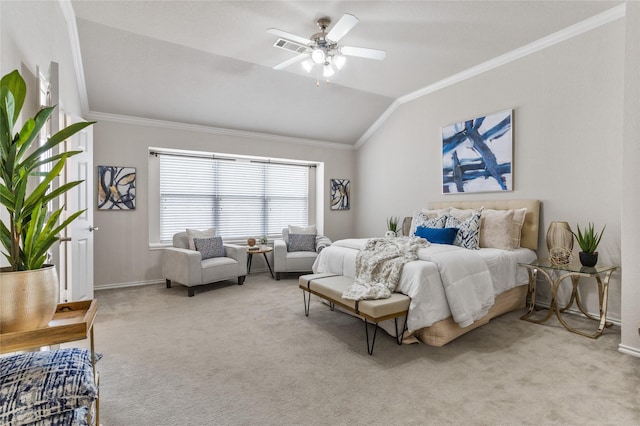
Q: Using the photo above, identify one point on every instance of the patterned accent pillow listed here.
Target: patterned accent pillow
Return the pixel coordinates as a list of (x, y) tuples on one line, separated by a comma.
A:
[(423, 220), (301, 242), (468, 230), (39, 386), (210, 247)]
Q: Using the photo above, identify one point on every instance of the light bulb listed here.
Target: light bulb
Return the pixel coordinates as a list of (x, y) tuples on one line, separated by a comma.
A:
[(317, 56), (327, 70)]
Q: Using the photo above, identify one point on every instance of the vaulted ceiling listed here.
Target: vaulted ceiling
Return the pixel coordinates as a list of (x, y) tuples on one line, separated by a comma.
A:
[(210, 62)]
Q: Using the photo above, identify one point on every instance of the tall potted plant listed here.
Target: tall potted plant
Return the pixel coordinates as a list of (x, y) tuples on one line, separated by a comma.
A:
[(29, 287)]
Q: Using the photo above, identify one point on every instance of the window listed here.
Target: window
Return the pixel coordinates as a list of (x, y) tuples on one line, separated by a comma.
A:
[(238, 197)]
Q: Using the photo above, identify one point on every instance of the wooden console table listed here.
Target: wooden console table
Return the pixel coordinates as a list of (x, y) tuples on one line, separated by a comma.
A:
[(72, 321)]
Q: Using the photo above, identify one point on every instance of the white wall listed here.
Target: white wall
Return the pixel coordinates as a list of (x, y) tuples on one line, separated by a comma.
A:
[(32, 35), (568, 143), (122, 253), (631, 199)]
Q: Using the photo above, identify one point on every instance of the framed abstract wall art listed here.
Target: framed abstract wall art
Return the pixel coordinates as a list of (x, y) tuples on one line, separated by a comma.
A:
[(116, 188), (477, 154), (340, 194)]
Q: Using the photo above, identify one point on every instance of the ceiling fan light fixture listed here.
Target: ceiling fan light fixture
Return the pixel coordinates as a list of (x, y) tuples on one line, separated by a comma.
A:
[(327, 70), (339, 61), (307, 64), (317, 56)]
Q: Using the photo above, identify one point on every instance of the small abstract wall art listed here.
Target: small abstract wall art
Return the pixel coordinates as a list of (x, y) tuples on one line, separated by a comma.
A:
[(340, 194), (477, 154), (116, 188)]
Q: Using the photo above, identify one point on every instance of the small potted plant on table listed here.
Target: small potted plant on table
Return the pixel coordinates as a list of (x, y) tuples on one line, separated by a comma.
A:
[(588, 242), (392, 226)]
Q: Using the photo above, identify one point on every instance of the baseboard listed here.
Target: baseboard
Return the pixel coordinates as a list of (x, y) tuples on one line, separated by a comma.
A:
[(629, 350), (150, 282), (124, 285)]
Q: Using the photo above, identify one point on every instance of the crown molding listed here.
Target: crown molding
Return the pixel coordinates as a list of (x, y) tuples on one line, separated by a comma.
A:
[(559, 36), (376, 124), (127, 119), (72, 29)]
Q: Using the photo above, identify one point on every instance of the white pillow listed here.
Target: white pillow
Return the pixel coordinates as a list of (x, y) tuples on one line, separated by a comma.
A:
[(496, 229), (194, 233), (305, 230)]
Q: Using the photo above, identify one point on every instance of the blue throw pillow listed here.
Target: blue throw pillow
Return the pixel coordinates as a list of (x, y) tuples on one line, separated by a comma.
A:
[(437, 235)]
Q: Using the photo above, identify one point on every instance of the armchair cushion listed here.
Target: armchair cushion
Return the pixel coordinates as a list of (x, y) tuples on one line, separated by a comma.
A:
[(301, 242), (210, 247)]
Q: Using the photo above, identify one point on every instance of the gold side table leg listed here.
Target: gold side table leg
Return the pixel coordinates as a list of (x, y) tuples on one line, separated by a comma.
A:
[(533, 274), (603, 294)]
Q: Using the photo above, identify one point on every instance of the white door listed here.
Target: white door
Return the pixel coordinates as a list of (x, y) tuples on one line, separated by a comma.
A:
[(77, 251)]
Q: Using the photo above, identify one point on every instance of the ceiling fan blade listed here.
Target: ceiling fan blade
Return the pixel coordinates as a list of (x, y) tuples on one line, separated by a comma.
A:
[(289, 36), (363, 52), (290, 61), (342, 27)]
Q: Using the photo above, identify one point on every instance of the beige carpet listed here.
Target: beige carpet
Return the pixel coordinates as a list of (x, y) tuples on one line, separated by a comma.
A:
[(247, 355)]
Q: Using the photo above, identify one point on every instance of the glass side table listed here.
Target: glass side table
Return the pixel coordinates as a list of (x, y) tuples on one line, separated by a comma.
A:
[(572, 270)]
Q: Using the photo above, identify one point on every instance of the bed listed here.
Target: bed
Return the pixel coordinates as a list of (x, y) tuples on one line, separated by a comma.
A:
[(435, 317)]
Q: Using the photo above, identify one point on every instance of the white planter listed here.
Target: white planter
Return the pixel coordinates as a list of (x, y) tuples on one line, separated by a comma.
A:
[(28, 299), (390, 234)]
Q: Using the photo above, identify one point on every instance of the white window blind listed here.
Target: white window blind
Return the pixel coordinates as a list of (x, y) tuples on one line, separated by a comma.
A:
[(238, 198)]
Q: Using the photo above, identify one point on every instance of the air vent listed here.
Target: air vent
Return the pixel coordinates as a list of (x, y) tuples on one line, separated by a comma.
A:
[(290, 46)]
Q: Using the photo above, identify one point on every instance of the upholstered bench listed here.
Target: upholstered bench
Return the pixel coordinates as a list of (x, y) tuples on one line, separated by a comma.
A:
[(330, 287), (55, 387)]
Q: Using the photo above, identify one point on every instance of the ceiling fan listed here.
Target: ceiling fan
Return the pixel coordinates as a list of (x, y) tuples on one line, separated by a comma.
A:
[(322, 48)]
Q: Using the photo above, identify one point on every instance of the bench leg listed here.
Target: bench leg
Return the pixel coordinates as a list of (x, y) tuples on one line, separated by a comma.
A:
[(307, 302), (373, 341), (400, 336)]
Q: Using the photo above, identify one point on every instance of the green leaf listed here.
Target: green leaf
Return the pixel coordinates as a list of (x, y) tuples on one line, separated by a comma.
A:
[(15, 84)]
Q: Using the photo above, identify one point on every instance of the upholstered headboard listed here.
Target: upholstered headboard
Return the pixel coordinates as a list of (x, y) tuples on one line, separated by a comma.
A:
[(531, 220)]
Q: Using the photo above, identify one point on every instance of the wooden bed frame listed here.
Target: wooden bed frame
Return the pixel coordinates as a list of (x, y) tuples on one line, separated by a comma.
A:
[(446, 330)]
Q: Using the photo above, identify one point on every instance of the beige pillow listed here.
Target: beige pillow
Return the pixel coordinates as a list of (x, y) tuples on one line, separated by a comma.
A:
[(518, 222), (496, 229), (463, 214), (433, 213), (194, 233)]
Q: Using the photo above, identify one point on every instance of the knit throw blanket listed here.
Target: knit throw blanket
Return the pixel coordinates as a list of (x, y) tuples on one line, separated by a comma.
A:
[(379, 265)]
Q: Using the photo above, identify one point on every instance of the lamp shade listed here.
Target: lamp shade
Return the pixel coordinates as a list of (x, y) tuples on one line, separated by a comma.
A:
[(317, 56), (327, 70)]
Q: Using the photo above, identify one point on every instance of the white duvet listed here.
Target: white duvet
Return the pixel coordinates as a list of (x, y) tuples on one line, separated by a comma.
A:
[(441, 284)]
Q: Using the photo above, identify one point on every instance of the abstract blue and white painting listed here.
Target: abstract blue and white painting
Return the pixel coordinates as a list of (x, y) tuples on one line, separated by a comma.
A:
[(477, 154)]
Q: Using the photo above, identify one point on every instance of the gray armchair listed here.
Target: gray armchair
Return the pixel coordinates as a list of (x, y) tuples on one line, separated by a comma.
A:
[(288, 259), (186, 266)]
